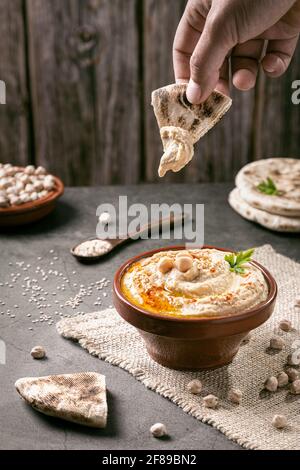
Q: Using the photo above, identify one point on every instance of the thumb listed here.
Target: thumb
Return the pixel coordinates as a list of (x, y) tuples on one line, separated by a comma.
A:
[(207, 60)]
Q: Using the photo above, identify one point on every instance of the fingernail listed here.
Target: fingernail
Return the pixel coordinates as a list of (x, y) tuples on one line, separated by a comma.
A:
[(193, 92), (269, 68), (273, 65)]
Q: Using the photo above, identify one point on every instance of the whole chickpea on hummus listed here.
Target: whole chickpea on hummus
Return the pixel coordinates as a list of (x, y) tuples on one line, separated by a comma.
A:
[(194, 283)]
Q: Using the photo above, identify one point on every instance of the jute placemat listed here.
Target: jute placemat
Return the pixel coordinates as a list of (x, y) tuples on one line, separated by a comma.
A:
[(107, 336)]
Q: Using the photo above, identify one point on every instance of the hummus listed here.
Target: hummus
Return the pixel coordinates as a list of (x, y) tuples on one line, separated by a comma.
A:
[(178, 147), (208, 288)]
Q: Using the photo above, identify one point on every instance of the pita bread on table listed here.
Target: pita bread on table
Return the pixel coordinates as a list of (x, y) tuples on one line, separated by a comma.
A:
[(183, 124), (277, 223), (285, 172), (80, 398)]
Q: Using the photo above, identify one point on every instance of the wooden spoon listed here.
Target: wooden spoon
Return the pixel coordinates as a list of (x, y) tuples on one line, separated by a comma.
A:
[(111, 244)]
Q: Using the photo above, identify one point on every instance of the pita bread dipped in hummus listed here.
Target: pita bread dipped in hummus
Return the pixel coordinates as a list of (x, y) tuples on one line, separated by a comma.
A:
[(182, 124)]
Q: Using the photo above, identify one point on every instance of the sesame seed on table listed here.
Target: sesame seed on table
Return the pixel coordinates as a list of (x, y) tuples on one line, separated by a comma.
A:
[(40, 283)]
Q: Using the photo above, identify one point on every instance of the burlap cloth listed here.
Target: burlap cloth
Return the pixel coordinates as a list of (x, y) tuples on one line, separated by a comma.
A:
[(107, 336)]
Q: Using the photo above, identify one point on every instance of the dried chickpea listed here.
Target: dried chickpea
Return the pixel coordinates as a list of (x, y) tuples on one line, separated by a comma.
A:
[(194, 386), (293, 359), (29, 170), (276, 342), (283, 379), (279, 421), (295, 387), (235, 395), (211, 401), (293, 374), (285, 325), (271, 384), (158, 430), (38, 352)]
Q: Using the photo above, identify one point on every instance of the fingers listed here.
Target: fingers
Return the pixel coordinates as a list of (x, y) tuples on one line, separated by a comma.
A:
[(278, 56), (186, 39), (223, 83), (245, 63), (206, 62)]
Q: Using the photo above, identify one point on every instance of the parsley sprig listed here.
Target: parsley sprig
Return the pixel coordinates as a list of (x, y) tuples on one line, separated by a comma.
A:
[(268, 187), (238, 260)]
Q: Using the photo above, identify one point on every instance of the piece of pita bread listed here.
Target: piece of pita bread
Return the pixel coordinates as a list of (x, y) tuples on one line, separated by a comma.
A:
[(183, 124), (285, 172), (277, 223), (80, 398)]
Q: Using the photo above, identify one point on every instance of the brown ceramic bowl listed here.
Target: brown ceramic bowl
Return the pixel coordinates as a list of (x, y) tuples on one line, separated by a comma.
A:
[(192, 343), (31, 211)]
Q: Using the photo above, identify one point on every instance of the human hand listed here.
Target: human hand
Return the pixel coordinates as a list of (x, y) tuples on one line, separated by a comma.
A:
[(211, 31)]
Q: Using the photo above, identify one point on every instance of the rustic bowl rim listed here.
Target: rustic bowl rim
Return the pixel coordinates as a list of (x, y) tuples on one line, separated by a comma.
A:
[(35, 205), (272, 285)]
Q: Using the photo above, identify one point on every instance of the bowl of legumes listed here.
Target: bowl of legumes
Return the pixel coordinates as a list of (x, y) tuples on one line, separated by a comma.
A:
[(27, 194)]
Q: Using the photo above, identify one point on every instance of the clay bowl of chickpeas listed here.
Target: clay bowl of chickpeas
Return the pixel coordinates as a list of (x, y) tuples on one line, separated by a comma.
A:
[(192, 307), (27, 194)]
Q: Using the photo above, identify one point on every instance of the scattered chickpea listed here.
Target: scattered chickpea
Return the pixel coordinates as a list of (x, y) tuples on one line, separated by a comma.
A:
[(285, 325), (38, 352), (271, 384), (194, 386), (293, 374), (279, 421), (183, 263), (292, 360), (283, 379), (158, 430), (297, 302), (211, 401), (295, 387), (235, 396), (277, 343), (165, 264)]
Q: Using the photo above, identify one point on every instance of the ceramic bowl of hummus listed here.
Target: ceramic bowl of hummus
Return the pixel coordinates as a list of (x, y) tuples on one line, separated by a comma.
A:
[(190, 307)]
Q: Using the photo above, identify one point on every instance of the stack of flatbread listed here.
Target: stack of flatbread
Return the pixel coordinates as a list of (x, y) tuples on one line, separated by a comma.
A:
[(268, 192), (182, 124)]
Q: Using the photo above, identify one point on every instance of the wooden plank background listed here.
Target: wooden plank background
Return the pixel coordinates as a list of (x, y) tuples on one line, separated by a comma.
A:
[(79, 76)]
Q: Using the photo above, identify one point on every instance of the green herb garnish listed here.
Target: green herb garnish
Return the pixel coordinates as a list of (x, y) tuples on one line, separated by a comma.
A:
[(237, 260), (268, 187)]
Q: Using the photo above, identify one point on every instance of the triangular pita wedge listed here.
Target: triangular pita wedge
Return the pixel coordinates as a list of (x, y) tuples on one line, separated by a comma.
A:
[(277, 223), (80, 398), (285, 172), (183, 124)]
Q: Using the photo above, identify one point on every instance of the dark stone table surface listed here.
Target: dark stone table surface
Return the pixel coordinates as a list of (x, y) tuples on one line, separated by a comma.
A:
[(132, 408)]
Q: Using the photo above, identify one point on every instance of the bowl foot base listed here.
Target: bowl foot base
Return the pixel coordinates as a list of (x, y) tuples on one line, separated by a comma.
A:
[(192, 354)]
